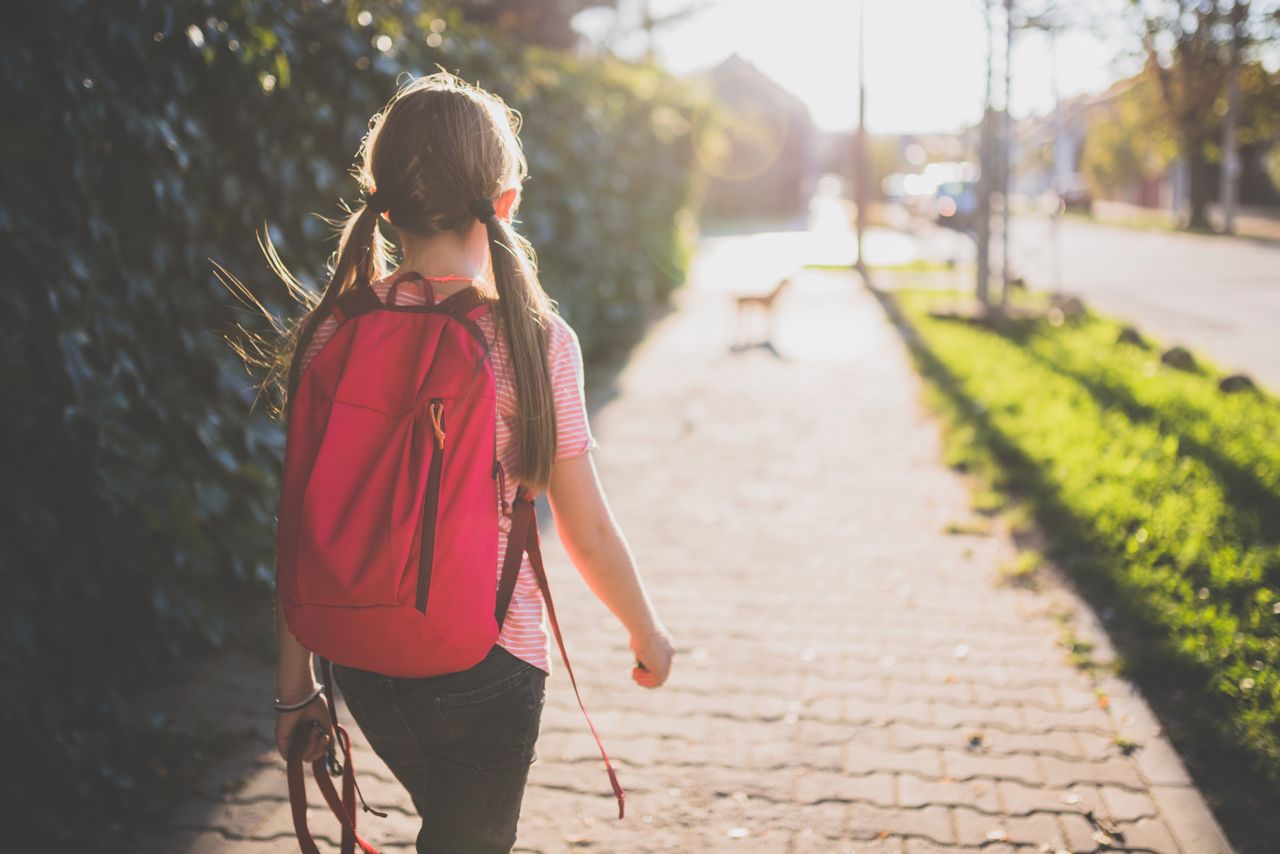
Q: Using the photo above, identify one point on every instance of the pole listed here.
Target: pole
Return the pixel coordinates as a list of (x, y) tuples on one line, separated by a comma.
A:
[(983, 231), (1006, 154), (863, 172), (1055, 222), (1230, 154)]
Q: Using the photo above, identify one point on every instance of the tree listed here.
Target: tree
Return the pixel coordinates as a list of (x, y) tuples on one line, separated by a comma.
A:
[(1129, 142), (1188, 45), (542, 22)]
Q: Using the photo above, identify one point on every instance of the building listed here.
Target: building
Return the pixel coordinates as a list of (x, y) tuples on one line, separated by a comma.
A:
[(766, 165)]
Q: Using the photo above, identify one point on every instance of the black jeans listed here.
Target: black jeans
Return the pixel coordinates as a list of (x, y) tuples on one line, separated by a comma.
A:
[(460, 743)]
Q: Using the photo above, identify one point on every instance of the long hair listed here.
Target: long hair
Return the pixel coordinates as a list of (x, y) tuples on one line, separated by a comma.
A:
[(437, 147)]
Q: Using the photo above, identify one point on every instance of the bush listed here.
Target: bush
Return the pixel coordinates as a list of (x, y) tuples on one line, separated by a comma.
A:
[(139, 495)]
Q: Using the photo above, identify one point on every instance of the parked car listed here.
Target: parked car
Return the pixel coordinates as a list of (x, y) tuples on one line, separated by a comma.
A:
[(1073, 195), (955, 204)]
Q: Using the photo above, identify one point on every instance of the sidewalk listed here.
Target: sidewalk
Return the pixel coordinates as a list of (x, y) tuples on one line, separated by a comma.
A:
[(1255, 222), (851, 677)]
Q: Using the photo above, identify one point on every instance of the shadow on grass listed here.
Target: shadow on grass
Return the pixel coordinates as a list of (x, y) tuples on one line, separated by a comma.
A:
[(1241, 794), (1242, 486)]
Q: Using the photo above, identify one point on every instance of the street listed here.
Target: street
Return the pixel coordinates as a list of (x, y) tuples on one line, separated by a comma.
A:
[(1219, 296)]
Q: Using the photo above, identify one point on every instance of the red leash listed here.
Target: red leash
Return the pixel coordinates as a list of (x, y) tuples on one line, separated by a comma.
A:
[(344, 809), (525, 505)]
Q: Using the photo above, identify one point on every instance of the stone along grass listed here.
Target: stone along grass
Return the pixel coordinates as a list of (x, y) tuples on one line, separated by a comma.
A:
[(1158, 494)]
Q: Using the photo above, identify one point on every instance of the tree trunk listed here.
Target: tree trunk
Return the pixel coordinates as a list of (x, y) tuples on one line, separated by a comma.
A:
[(1200, 189)]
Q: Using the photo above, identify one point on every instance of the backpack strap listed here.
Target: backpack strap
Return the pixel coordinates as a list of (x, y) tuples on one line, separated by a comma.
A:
[(462, 303), (355, 302), (524, 537), (523, 519), (343, 808)]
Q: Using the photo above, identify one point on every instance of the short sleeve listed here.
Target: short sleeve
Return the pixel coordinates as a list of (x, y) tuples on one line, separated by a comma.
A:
[(568, 388), (318, 339)]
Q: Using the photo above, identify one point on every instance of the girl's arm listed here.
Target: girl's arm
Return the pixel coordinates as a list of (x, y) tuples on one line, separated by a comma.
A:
[(597, 548), (295, 680)]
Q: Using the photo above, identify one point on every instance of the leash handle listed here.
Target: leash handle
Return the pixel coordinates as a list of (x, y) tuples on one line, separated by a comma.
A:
[(344, 808)]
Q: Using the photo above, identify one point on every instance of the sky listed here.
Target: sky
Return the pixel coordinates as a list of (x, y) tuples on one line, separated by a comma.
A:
[(925, 59)]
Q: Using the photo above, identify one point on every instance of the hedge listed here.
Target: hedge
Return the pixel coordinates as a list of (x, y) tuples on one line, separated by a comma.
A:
[(143, 140)]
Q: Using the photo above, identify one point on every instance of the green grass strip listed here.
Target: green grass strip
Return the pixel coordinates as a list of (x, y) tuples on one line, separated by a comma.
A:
[(1157, 492)]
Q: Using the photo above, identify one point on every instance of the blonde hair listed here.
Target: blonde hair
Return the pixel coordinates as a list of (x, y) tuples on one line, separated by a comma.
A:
[(437, 147)]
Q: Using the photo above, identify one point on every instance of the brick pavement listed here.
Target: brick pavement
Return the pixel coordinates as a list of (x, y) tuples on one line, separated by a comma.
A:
[(852, 677)]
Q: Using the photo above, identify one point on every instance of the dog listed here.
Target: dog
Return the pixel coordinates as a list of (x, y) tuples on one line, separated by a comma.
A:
[(761, 305)]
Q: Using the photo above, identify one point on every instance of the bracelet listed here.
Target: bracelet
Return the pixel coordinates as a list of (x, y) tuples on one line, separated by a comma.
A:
[(293, 707)]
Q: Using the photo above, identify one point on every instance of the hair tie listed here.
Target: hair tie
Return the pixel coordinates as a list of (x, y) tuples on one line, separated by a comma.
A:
[(482, 209), (378, 202)]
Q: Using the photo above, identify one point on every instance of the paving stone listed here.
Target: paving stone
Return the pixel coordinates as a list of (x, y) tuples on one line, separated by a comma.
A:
[(1153, 834), (814, 786), (1067, 719), (1127, 805), (976, 829), (918, 791), (964, 764), (868, 823), (802, 843), (1116, 770), (863, 760), (923, 846), (1020, 799), (1065, 745), (1188, 817), (1079, 832), (971, 715), (821, 732)]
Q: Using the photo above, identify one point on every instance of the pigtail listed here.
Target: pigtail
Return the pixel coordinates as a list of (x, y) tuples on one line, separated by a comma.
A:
[(523, 308), (359, 260)]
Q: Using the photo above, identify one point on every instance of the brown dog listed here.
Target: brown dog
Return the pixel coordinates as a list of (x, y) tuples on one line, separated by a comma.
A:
[(760, 304)]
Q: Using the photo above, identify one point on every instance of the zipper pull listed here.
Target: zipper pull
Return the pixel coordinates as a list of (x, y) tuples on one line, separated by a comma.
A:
[(437, 421)]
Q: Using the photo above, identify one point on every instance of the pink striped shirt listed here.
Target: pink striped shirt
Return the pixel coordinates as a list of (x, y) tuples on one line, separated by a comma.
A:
[(524, 633)]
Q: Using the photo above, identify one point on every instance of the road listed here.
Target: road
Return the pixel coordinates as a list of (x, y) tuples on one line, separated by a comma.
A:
[(1216, 295)]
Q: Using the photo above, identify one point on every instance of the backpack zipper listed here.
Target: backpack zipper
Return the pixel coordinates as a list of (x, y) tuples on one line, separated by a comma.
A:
[(431, 504)]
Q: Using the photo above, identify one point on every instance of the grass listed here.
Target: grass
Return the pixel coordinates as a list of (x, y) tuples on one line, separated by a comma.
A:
[(1022, 570), (1156, 492), (916, 265), (969, 528)]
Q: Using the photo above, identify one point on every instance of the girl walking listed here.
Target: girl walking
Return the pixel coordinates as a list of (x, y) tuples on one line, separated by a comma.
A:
[(443, 166)]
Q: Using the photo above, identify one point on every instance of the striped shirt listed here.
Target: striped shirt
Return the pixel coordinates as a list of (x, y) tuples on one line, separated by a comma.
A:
[(524, 633)]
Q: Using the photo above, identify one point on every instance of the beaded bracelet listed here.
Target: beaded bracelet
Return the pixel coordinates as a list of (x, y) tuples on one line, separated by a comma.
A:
[(293, 707)]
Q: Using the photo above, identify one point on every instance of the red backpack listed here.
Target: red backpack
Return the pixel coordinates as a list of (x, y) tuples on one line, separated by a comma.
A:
[(388, 522)]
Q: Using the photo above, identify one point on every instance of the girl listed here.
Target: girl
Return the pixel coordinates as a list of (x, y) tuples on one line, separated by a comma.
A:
[(443, 164)]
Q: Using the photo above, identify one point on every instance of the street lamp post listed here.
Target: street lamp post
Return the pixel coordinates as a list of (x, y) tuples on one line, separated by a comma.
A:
[(1006, 154), (862, 167), (1056, 182), (983, 229), (1230, 153)]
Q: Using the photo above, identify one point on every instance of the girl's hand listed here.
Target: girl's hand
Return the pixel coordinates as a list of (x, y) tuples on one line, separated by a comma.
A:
[(290, 725), (654, 652)]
